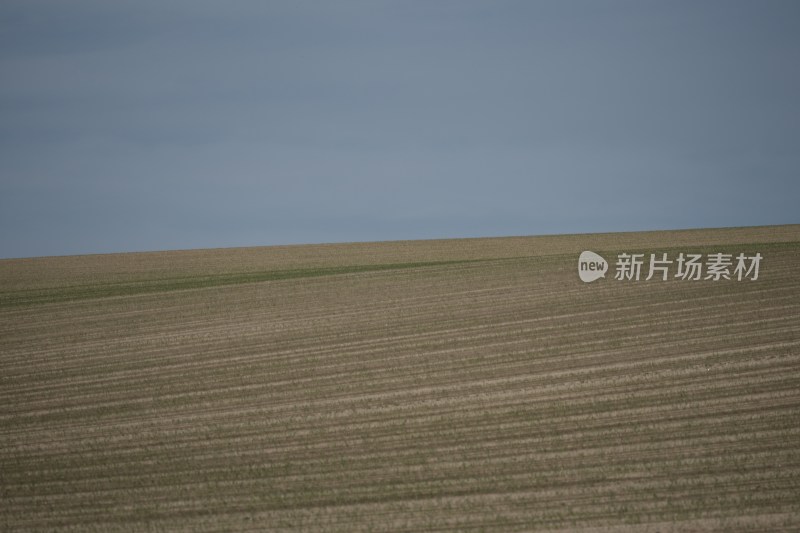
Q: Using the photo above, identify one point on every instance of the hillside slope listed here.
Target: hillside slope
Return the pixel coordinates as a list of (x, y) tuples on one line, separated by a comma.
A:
[(429, 385)]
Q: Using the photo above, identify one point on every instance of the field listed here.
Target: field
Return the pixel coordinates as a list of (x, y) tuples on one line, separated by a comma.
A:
[(472, 384)]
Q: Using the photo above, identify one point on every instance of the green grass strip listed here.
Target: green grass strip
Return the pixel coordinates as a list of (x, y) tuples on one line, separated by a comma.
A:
[(105, 290)]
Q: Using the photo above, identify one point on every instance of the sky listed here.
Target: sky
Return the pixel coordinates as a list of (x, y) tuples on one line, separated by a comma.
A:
[(172, 124)]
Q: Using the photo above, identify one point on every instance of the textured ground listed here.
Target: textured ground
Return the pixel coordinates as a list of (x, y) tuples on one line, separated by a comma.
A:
[(462, 384)]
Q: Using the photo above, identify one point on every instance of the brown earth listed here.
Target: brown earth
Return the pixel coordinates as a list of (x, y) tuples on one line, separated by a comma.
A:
[(416, 386)]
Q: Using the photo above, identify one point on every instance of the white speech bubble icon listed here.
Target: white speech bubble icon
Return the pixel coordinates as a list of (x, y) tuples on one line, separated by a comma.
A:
[(591, 266)]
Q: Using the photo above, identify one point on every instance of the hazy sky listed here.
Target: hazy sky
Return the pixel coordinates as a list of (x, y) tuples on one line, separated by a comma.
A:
[(138, 125)]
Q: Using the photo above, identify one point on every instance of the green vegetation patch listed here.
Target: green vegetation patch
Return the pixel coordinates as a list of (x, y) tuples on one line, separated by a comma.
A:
[(104, 290)]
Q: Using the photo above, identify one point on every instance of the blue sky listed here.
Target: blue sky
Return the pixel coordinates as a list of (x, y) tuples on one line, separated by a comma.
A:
[(145, 125)]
